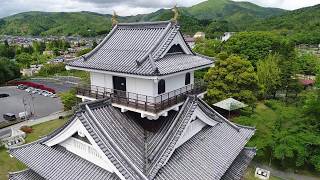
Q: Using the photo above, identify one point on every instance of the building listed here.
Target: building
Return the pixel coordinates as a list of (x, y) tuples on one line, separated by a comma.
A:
[(101, 142), (144, 67), (199, 36), (226, 36), (116, 134)]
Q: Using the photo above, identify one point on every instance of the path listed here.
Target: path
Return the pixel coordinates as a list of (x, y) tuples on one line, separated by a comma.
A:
[(285, 175), (33, 122)]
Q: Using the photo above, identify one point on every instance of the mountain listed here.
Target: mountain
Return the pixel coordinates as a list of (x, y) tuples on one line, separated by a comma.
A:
[(302, 25), (56, 23), (227, 15), (231, 10)]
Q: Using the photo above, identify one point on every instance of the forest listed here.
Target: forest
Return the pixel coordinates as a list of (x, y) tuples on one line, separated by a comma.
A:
[(260, 69)]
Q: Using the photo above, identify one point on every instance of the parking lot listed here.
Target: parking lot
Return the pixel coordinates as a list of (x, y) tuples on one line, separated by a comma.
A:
[(19, 100), (58, 85)]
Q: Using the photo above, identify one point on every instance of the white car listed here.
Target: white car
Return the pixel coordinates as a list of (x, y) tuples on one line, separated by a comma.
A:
[(46, 93), (54, 95), (35, 91), (29, 89)]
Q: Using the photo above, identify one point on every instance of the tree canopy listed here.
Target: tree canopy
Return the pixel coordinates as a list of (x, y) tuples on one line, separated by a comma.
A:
[(269, 76), (232, 77), (8, 70)]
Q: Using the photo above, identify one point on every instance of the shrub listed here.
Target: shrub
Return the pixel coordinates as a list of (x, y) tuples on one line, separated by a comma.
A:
[(52, 69), (26, 129), (69, 99)]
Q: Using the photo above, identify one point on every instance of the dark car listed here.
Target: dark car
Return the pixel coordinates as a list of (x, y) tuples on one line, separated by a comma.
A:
[(9, 117), (22, 87)]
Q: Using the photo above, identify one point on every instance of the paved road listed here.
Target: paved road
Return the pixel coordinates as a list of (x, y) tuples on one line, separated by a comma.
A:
[(43, 106), (285, 175), (33, 122)]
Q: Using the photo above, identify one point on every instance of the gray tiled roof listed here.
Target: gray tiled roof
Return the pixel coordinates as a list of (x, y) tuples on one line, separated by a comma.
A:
[(208, 154), (26, 174), (56, 162), (137, 48), (239, 166), (140, 154)]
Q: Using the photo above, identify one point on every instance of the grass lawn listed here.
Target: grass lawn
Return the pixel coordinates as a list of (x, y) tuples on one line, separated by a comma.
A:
[(8, 164)]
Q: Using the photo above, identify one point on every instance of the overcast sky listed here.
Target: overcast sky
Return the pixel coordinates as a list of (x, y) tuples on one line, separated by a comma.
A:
[(124, 7)]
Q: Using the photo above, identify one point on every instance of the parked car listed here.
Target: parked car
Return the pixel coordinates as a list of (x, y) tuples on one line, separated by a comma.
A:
[(40, 92), (9, 117), (23, 115), (22, 87), (35, 91), (46, 93), (54, 95), (29, 89)]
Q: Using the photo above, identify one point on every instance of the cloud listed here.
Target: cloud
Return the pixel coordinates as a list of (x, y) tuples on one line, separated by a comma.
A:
[(284, 4), (123, 7)]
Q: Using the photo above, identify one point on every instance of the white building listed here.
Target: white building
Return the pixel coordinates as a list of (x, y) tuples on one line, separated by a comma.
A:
[(144, 67), (226, 36)]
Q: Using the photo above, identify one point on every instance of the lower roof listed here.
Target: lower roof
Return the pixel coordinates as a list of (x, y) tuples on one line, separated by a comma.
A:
[(26, 174), (135, 151), (57, 163)]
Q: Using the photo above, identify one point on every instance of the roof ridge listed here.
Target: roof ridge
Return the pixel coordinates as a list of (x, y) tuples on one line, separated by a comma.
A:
[(114, 144), (26, 145), (167, 41), (144, 23), (89, 54), (17, 172), (165, 155), (166, 30)]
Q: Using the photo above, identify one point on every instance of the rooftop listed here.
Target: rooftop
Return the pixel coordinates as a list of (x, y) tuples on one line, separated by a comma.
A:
[(173, 150), (142, 49)]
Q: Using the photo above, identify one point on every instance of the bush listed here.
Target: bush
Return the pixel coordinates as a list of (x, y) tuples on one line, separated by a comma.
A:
[(26, 129), (52, 69), (69, 99)]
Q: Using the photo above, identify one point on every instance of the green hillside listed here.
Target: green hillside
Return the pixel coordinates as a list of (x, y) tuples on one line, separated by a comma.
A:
[(215, 9), (55, 23), (224, 14), (302, 25)]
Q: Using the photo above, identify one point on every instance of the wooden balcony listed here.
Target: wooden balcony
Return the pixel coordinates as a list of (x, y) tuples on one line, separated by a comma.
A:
[(143, 102)]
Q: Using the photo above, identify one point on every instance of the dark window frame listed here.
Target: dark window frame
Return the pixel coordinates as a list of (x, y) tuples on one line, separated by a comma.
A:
[(187, 80), (161, 86)]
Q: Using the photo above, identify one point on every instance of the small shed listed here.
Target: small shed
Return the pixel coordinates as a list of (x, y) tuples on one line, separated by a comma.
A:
[(230, 104)]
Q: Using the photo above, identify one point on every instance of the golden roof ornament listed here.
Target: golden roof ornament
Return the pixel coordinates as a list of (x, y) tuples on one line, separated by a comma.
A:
[(176, 13), (114, 18)]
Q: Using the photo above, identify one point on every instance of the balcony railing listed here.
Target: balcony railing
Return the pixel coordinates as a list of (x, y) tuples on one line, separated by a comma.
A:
[(143, 102)]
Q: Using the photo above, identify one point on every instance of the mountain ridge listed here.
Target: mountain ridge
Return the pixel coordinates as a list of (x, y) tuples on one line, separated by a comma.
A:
[(85, 23)]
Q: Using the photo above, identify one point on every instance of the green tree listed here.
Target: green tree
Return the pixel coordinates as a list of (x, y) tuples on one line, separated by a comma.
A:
[(208, 47), (24, 60), (69, 99), (269, 76), (83, 52), (52, 69), (308, 63), (234, 77), (8, 70)]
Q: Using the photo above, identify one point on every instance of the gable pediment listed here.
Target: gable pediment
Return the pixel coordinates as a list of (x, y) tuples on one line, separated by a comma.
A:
[(76, 139)]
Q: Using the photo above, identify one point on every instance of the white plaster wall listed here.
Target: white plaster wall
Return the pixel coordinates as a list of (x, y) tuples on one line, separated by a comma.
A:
[(146, 87), (177, 82)]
